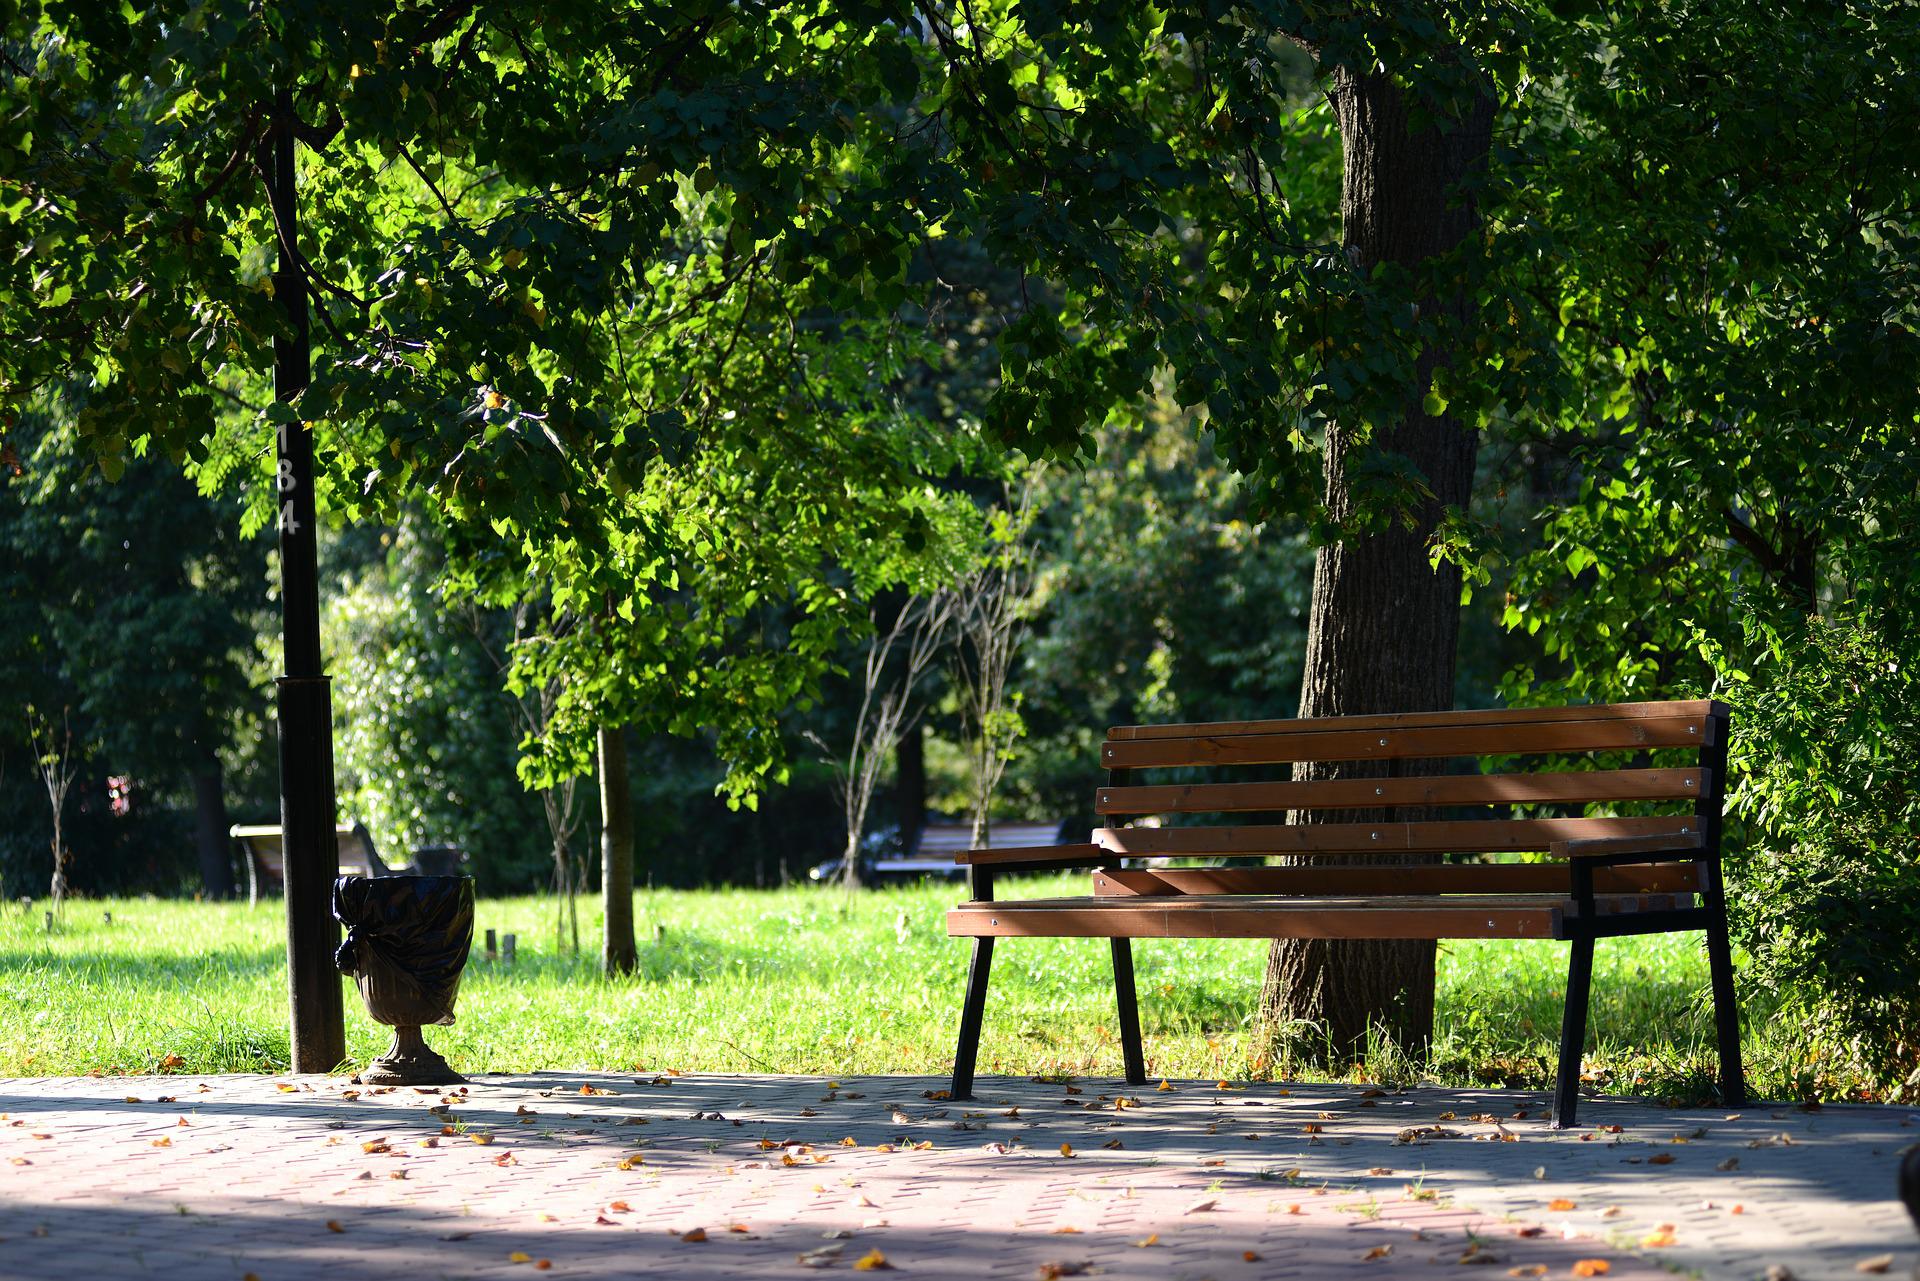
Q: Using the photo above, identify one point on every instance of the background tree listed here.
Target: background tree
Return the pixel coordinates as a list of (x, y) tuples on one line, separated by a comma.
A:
[(990, 622), (140, 607), (920, 631), (56, 761)]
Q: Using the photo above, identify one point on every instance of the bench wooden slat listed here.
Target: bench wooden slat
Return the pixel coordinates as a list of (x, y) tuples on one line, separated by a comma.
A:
[(1080, 853), (1697, 707), (1601, 845), (1464, 836), (1241, 916), (1367, 793), (1443, 878), (1389, 744)]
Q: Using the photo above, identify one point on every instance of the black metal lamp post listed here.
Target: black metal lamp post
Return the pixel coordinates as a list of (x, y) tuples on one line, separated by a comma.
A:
[(317, 1032)]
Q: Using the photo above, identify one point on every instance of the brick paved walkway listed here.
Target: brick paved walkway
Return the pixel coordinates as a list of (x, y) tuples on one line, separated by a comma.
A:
[(711, 1177)]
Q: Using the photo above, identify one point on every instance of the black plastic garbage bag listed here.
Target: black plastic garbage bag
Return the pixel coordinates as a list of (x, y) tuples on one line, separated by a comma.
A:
[(407, 942)]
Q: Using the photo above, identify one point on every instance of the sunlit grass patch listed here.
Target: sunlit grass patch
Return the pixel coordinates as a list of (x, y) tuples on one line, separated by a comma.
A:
[(818, 981)]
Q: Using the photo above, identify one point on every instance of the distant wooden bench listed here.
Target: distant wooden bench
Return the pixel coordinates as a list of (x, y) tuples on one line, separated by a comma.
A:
[(934, 849), (934, 853), (1611, 876), (261, 846)]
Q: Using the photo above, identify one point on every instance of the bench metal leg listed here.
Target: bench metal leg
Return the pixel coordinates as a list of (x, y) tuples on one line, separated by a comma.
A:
[(1130, 1051), (1129, 1013), (1726, 1013), (1573, 1033), (970, 1015)]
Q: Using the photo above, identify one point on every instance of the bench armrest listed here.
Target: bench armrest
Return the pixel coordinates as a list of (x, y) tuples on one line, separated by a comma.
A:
[(1662, 847), (1020, 857)]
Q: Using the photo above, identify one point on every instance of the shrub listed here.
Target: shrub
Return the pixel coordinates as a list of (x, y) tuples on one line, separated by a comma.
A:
[(1824, 865)]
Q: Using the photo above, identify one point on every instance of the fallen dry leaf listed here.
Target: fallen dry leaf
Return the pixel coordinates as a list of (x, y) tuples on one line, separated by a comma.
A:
[(872, 1261), (1660, 1158), (163, 1142), (1528, 1270), (519, 1256), (1146, 1241), (482, 1139), (1378, 1252), (1878, 1263), (824, 1257), (1202, 1205), (1066, 1149), (1250, 1256), (1165, 1087), (1053, 1270), (1113, 1143), (333, 1225), (1660, 1236), (1591, 1267), (1561, 1203), (1066, 1230), (1731, 1163), (694, 1234)]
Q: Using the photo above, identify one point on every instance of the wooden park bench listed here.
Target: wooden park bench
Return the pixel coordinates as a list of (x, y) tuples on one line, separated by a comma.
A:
[(260, 846), (1656, 871)]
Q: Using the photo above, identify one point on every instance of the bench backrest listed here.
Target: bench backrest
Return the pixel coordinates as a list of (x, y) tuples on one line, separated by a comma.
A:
[(357, 855), (1380, 780)]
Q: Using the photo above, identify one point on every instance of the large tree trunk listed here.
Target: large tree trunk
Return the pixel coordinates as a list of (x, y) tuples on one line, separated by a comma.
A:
[(910, 789), (1384, 625), (210, 830), (617, 952)]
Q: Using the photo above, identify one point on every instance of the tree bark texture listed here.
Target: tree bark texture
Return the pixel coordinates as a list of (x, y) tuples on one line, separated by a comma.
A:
[(617, 952), (210, 830), (910, 793), (1383, 629)]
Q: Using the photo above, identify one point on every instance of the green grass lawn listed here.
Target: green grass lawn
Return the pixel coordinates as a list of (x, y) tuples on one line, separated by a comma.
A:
[(811, 980)]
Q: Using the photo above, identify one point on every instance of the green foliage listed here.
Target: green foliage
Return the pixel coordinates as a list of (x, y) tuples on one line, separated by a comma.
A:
[(424, 738), (1826, 884), (1730, 478)]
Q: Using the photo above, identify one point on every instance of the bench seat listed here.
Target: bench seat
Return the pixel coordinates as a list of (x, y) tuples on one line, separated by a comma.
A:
[(1223, 916)]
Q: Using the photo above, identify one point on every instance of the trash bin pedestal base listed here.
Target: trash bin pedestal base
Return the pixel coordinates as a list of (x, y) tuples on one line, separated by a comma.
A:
[(410, 1061)]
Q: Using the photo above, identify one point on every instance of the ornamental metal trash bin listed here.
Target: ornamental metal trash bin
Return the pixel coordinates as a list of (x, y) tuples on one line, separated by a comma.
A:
[(406, 946)]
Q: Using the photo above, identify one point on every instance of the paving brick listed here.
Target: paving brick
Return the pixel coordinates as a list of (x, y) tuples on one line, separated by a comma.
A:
[(1299, 1181)]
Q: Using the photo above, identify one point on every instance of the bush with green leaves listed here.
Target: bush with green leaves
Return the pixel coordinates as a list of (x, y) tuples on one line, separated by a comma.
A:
[(1825, 873)]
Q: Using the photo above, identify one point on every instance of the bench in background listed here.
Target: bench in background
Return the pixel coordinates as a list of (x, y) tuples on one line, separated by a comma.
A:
[(1610, 875), (260, 846)]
